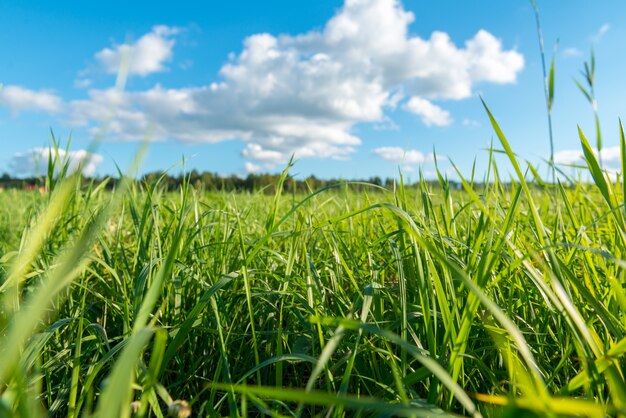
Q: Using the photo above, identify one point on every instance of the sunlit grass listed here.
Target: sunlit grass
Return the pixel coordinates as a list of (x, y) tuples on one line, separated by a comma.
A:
[(416, 301), (504, 299)]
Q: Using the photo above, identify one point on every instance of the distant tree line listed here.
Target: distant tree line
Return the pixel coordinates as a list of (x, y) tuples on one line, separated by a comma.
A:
[(215, 182), (253, 182)]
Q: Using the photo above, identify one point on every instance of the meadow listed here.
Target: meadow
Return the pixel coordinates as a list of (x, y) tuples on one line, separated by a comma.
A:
[(501, 299)]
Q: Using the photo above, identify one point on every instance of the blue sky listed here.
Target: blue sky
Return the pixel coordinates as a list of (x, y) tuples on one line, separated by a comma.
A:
[(353, 89)]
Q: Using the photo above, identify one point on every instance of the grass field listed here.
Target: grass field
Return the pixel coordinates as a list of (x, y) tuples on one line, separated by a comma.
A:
[(502, 300)]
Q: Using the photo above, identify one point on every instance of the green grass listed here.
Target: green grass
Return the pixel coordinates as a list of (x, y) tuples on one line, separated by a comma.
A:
[(503, 300)]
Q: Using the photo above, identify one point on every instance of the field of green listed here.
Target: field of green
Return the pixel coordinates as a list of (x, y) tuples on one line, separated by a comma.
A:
[(504, 299)]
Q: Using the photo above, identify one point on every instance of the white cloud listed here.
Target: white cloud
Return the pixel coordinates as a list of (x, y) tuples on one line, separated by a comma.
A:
[(569, 157), (488, 62), (429, 113), (385, 124), (19, 99), (401, 156), (303, 94), (186, 65), (146, 56), (81, 83), (256, 152), (470, 122), (572, 52), (34, 162), (596, 37), (611, 154), (252, 168)]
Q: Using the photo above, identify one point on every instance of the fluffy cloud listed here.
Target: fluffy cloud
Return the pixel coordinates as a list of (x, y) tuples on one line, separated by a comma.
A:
[(487, 61), (256, 152), (303, 94), (569, 157), (252, 168), (146, 56), (429, 113), (34, 162), (401, 156), (19, 99)]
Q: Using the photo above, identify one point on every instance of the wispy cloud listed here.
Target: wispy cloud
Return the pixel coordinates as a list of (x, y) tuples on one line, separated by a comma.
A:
[(34, 162), (385, 124), (596, 37), (572, 52), (18, 99), (82, 83), (399, 155), (470, 122)]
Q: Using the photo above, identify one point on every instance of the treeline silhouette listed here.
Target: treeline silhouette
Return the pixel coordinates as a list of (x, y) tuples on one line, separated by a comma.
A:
[(215, 182)]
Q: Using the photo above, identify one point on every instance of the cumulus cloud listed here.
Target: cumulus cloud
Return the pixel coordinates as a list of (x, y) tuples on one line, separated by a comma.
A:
[(430, 113), (19, 99), (488, 62), (303, 94), (34, 162), (252, 168), (398, 155), (611, 154), (576, 157), (569, 157), (146, 56), (256, 152)]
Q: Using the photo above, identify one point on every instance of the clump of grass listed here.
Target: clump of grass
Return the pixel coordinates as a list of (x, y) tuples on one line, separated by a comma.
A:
[(589, 76), (548, 83)]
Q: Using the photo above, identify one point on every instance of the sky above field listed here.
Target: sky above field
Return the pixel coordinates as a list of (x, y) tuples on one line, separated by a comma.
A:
[(351, 89)]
